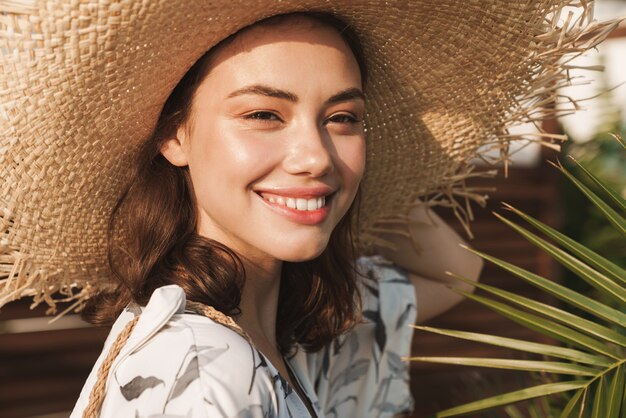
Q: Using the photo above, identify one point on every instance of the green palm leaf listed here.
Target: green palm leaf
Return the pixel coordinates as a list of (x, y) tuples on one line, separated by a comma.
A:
[(604, 266), (591, 276), (551, 312), (544, 326), (612, 194), (572, 409), (511, 397), (585, 303), (526, 346), (618, 221), (599, 401), (511, 364), (623, 394), (595, 350), (614, 400)]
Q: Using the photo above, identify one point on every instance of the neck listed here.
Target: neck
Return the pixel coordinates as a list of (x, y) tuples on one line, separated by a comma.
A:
[(259, 300)]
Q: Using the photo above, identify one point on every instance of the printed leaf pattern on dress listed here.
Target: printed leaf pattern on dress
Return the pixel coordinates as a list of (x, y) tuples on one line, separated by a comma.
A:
[(137, 386), (397, 368), (380, 332), (402, 319), (201, 357), (375, 342)]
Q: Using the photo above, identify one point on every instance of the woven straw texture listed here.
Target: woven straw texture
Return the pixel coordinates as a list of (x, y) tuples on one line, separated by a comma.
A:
[(82, 83)]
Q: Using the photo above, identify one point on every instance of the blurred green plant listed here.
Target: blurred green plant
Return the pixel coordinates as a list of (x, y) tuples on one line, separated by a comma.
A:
[(592, 359), (602, 155), (582, 221)]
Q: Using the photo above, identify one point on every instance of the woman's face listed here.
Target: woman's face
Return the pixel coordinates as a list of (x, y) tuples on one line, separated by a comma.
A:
[(275, 143)]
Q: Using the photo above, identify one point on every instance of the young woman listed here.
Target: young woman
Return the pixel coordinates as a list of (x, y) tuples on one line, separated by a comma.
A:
[(240, 201), (237, 285)]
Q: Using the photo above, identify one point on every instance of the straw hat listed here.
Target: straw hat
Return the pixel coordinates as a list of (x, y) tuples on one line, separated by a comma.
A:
[(81, 80)]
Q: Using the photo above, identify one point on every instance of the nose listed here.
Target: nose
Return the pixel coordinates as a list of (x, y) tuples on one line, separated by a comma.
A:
[(310, 153)]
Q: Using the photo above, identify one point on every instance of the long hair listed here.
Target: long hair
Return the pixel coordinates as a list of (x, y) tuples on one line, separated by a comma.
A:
[(153, 240)]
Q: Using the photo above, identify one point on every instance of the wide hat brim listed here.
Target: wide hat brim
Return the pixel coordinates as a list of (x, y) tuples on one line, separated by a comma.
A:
[(82, 84)]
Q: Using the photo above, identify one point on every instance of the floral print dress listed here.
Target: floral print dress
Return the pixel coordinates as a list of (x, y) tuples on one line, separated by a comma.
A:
[(180, 364)]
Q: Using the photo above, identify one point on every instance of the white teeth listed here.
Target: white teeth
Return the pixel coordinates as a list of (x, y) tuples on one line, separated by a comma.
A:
[(301, 204), (298, 203)]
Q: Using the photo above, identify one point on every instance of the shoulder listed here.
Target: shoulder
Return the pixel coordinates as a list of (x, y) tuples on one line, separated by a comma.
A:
[(384, 286), (179, 363), (366, 363), (389, 306), (379, 269)]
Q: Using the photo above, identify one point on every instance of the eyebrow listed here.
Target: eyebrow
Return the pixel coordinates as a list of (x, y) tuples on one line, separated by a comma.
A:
[(343, 96)]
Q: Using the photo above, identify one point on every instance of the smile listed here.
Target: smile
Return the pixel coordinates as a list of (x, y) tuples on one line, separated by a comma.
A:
[(301, 206), (297, 203)]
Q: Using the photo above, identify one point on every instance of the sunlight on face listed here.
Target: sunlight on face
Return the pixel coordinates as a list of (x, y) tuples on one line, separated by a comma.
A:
[(275, 145)]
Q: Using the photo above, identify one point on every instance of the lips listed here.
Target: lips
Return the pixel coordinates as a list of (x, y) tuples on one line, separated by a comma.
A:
[(302, 205)]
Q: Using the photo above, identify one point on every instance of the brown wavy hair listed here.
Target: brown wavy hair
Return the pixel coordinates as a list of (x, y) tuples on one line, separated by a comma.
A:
[(153, 241)]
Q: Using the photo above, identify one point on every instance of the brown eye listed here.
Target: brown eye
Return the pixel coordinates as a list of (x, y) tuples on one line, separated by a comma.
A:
[(262, 116), (343, 118)]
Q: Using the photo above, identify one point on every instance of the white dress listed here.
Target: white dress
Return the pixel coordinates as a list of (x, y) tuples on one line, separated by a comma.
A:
[(179, 364)]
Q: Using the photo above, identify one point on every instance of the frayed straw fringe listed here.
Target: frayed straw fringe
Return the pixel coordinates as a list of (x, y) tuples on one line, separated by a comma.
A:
[(18, 276), (551, 52)]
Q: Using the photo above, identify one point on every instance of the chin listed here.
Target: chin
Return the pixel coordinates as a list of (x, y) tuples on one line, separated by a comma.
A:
[(298, 254)]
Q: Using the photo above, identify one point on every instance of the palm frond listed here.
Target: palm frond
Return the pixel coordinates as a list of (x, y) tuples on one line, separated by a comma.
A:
[(559, 315), (511, 397), (524, 346), (544, 326), (574, 405), (595, 347), (575, 265), (618, 200), (573, 298), (604, 266), (618, 221)]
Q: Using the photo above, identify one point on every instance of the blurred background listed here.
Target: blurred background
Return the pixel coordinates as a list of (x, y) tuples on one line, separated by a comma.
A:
[(43, 366), (538, 189)]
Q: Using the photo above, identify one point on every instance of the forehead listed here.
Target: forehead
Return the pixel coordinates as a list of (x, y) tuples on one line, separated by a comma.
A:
[(292, 38), (306, 58)]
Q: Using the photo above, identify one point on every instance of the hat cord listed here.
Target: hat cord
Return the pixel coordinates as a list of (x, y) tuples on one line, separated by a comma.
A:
[(96, 397), (97, 392)]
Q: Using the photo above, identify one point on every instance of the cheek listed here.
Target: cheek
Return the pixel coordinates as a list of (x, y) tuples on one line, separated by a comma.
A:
[(352, 156), (243, 151), (231, 156)]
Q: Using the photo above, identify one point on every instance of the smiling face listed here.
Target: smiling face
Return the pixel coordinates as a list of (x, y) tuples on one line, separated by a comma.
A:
[(275, 141)]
